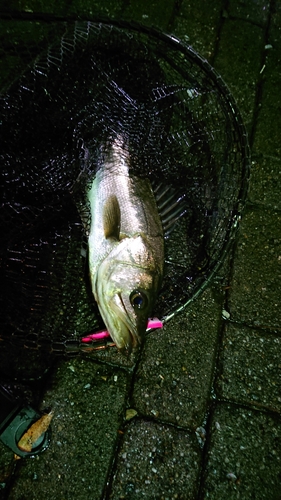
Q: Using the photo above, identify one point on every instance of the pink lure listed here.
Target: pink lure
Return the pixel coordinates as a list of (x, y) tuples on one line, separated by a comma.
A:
[(152, 323)]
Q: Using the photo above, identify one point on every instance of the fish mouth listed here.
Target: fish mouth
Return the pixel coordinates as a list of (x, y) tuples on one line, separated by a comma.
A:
[(125, 334), (119, 318)]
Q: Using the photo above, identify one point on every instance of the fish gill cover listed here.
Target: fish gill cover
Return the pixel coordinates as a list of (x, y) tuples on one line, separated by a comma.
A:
[(100, 81)]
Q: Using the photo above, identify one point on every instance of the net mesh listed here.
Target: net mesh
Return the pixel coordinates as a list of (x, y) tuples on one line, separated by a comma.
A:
[(98, 80)]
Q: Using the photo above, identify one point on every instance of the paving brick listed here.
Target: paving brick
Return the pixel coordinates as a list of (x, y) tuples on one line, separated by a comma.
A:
[(243, 460), (89, 402), (265, 184), (255, 12), (267, 136), (112, 356), (156, 461), (239, 62), (109, 8), (275, 22), (150, 13), (31, 6), (174, 376), (7, 466), (251, 367), (254, 296), (197, 24)]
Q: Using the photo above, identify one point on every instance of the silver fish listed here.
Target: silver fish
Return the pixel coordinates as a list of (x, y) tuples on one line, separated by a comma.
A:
[(126, 248)]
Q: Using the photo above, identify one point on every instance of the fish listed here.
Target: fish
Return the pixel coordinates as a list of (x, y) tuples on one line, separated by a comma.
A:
[(125, 247)]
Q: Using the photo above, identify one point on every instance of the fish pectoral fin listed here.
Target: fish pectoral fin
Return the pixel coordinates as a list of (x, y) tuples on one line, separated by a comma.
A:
[(111, 218)]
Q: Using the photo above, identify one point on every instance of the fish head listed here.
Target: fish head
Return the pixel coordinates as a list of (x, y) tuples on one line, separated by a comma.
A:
[(125, 287)]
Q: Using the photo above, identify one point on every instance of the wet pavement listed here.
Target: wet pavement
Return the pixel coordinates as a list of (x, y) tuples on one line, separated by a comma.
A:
[(206, 392)]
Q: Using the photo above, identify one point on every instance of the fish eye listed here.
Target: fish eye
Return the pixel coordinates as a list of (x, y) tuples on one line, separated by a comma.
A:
[(138, 299)]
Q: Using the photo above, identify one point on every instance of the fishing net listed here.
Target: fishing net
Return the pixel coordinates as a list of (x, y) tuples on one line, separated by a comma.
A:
[(60, 102)]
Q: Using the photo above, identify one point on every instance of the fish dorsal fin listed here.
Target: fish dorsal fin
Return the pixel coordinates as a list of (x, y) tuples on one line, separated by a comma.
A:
[(111, 218), (171, 206)]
